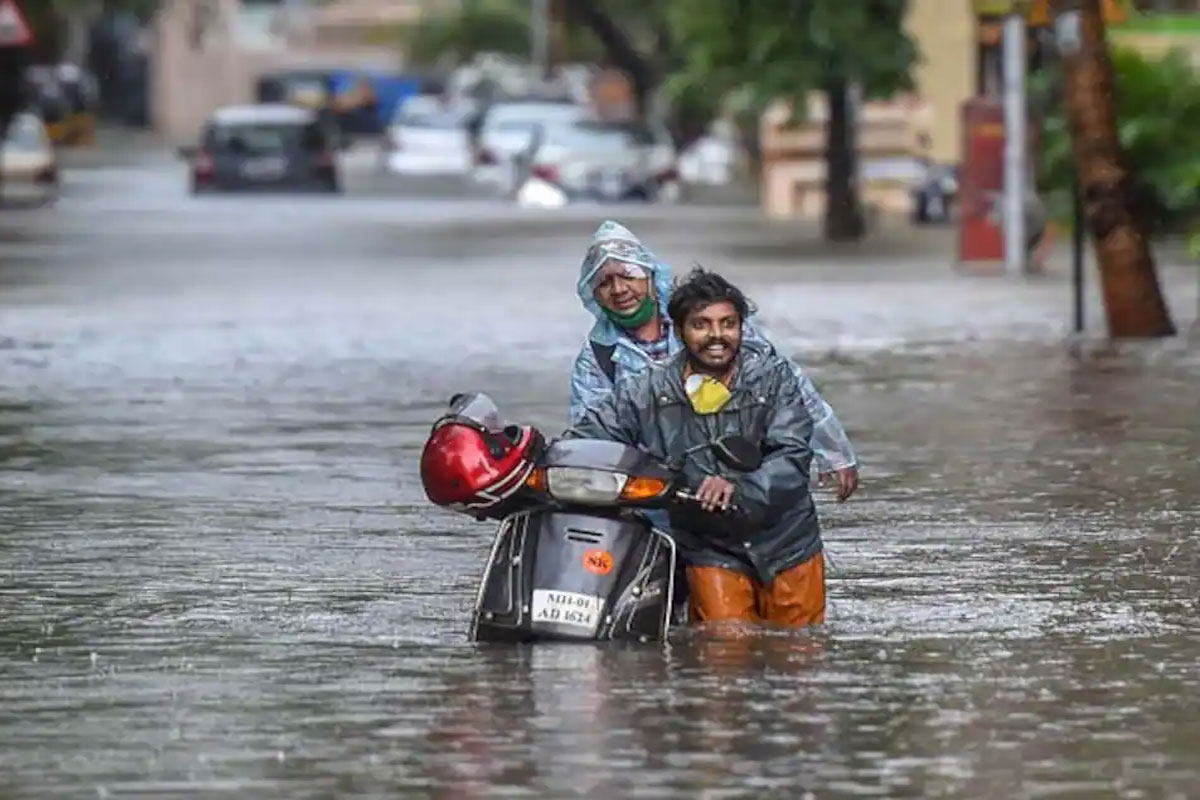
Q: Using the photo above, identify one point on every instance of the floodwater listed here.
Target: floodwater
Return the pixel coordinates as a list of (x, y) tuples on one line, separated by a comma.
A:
[(219, 576)]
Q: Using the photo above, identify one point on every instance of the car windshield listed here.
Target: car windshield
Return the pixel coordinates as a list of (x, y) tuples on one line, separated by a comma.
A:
[(266, 138), (593, 138), (25, 135)]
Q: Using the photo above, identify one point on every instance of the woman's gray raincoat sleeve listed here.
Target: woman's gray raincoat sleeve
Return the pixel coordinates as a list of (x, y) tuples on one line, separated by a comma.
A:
[(588, 384), (614, 417), (831, 446), (830, 443)]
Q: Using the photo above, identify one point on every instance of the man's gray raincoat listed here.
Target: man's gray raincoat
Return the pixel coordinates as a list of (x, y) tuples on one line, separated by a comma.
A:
[(779, 529)]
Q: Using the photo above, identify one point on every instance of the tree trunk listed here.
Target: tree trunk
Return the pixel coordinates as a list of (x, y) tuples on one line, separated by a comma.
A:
[(619, 48), (1133, 300), (843, 211)]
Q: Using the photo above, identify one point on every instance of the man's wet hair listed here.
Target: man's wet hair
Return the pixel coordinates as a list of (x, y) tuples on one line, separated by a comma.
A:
[(702, 288)]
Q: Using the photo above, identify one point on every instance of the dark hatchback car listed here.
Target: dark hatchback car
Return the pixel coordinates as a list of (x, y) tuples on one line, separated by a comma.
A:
[(264, 148)]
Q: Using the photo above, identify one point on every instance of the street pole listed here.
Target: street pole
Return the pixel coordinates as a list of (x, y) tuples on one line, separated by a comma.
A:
[(1077, 223), (1016, 137), (539, 33)]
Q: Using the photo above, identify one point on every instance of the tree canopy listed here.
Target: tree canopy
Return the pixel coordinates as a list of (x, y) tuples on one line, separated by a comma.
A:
[(1158, 114), (788, 48)]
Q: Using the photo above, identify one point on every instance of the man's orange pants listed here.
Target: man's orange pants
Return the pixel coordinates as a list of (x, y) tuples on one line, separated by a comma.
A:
[(795, 597)]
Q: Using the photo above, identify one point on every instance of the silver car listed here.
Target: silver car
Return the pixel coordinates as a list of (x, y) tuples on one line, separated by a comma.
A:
[(508, 131), (429, 137), (606, 161), (28, 164)]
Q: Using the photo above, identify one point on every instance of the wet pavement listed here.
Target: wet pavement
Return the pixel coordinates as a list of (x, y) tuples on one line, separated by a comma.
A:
[(219, 576)]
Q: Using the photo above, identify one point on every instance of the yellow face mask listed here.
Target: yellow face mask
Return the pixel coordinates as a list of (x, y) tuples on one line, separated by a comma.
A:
[(708, 395)]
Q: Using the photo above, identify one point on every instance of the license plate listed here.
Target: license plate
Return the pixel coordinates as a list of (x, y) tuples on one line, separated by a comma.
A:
[(567, 608), (264, 168)]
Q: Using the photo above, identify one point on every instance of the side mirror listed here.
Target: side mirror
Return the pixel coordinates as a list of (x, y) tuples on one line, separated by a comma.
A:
[(738, 452), (188, 153)]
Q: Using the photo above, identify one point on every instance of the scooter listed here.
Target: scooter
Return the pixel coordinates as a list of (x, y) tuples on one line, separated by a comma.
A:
[(576, 556)]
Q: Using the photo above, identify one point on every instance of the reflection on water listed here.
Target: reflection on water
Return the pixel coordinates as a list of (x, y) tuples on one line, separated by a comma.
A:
[(192, 601)]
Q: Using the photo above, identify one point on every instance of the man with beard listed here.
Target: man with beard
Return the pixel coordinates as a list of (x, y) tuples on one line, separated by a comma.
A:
[(625, 287), (766, 562)]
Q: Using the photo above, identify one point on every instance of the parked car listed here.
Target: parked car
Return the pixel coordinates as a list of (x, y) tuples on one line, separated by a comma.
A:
[(429, 137), (264, 147), (28, 163), (607, 161), (508, 129)]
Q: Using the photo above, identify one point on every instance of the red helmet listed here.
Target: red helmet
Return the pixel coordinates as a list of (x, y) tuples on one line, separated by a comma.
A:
[(473, 467)]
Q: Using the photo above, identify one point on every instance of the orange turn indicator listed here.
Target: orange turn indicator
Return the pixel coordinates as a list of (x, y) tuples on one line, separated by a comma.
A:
[(637, 488), (537, 480)]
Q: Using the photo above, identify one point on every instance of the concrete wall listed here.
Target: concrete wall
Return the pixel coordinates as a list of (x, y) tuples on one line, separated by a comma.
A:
[(197, 66), (944, 31), (200, 68)]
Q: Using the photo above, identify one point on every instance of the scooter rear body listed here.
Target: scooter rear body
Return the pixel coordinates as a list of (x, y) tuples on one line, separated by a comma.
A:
[(577, 575)]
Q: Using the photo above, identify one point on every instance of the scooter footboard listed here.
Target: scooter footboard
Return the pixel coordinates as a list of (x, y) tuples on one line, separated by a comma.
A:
[(572, 576)]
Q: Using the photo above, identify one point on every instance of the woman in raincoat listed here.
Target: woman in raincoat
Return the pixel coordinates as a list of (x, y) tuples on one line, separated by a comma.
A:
[(626, 289)]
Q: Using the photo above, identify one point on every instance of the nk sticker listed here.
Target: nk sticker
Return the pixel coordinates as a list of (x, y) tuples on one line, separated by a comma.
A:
[(598, 562)]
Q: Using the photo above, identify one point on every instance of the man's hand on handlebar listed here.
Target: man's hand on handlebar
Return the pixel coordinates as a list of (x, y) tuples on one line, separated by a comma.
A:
[(715, 493)]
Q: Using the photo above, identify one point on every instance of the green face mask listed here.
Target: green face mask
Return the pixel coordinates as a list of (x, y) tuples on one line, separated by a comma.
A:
[(636, 318)]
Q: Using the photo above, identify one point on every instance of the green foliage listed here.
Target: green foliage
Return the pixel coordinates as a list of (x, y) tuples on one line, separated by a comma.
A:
[(788, 48), (1158, 123), (484, 26)]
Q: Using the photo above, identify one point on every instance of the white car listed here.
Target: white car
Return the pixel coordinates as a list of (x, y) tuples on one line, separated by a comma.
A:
[(28, 164), (508, 132), (428, 137), (607, 161)]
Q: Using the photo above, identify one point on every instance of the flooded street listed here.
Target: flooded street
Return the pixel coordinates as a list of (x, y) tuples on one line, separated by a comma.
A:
[(219, 576)]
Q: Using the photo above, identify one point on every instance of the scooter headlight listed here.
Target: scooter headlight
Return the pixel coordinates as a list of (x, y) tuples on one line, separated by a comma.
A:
[(585, 486)]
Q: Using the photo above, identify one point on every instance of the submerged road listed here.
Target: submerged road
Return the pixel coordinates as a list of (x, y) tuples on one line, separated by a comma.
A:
[(219, 575)]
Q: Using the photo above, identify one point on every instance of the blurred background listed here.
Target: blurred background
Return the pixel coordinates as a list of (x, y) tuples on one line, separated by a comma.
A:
[(544, 103)]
